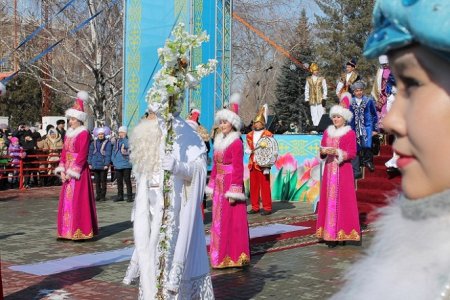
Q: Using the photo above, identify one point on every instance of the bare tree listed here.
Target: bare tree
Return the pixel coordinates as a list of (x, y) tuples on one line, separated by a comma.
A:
[(256, 63), (88, 58)]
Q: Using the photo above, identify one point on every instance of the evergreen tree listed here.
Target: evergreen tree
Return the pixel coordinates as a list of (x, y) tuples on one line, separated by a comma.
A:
[(290, 104), (23, 101), (342, 31)]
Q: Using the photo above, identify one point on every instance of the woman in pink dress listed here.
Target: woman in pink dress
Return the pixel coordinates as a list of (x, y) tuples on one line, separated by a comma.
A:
[(338, 218), (229, 244), (77, 217)]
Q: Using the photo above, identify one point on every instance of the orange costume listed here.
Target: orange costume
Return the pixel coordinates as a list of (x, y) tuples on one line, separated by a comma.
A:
[(259, 176)]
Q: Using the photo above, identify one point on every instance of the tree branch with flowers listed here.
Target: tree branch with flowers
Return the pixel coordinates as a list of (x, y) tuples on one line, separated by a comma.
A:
[(166, 96)]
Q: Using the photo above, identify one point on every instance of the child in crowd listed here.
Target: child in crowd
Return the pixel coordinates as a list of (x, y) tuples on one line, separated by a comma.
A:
[(17, 154)]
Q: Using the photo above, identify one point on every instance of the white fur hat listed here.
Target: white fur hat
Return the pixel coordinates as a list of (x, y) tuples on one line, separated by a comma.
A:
[(123, 129), (231, 114), (77, 110), (341, 111), (383, 59)]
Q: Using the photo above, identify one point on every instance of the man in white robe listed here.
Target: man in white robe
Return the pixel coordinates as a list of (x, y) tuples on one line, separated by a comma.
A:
[(185, 273)]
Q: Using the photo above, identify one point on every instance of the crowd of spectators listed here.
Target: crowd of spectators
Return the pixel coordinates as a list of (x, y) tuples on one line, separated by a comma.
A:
[(29, 145)]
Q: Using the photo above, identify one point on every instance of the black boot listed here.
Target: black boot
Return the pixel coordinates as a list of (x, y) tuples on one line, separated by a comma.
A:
[(118, 198), (130, 198), (332, 244)]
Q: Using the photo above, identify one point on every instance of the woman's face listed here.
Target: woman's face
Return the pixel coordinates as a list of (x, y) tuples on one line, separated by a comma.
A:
[(420, 120), (122, 134), (74, 122), (225, 126), (338, 121)]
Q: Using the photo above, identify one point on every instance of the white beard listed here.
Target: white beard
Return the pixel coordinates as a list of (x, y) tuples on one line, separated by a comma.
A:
[(145, 142)]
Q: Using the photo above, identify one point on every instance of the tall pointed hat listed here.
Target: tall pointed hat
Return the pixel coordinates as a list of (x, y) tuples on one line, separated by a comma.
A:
[(77, 110), (262, 115)]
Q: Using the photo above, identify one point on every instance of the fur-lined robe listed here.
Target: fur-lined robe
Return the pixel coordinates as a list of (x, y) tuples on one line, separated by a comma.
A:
[(409, 257), (77, 217), (337, 217), (229, 245), (186, 271)]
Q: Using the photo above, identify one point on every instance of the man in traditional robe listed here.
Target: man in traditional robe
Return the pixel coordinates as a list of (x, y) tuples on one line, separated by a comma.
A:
[(347, 79), (365, 124), (384, 89)]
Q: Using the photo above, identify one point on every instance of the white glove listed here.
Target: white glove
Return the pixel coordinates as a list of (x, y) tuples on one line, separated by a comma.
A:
[(248, 151), (169, 163), (266, 171)]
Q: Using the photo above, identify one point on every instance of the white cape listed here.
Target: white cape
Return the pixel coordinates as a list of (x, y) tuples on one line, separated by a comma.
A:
[(186, 274)]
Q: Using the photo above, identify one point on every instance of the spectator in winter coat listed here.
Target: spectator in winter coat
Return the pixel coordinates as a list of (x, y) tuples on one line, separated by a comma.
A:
[(60, 124), (52, 145), (17, 154), (4, 160), (4, 133), (122, 165), (20, 132), (29, 146), (99, 160)]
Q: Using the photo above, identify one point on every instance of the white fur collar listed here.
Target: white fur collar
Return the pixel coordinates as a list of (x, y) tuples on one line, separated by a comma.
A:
[(221, 142), (338, 132), (74, 132)]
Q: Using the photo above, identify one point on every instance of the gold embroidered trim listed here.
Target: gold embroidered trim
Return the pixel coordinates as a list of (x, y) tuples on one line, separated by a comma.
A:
[(227, 262), (78, 235), (341, 235)]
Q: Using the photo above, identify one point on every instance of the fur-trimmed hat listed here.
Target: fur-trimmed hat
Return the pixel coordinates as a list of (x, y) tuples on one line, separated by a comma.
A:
[(383, 59), (77, 110), (345, 100), (399, 23), (231, 114), (341, 111), (358, 85)]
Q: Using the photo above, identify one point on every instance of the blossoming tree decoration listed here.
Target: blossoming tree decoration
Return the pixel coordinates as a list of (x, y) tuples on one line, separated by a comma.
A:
[(166, 98)]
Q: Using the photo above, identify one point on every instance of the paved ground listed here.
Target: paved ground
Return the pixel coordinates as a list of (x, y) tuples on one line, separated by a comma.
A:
[(27, 235)]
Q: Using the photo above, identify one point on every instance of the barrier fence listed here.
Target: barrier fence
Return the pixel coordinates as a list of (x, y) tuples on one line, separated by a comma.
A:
[(38, 165)]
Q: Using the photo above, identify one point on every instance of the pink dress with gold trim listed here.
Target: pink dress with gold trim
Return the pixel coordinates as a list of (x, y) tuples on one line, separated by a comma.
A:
[(77, 217), (337, 217), (229, 245)]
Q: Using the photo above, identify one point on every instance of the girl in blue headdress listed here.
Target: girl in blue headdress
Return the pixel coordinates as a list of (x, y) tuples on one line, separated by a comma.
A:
[(409, 257)]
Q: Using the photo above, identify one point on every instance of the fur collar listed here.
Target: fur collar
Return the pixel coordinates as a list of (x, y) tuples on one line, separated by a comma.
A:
[(74, 132), (221, 143), (337, 132)]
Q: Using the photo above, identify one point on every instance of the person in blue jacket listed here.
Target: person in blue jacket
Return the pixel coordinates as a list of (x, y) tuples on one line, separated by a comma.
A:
[(122, 165), (99, 160)]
